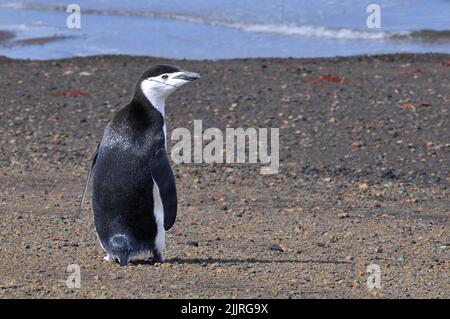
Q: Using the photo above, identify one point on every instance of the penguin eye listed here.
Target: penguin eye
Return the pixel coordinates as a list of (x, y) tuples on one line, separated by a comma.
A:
[(165, 76)]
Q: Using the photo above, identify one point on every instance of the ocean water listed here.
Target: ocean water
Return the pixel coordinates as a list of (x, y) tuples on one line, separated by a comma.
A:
[(217, 29)]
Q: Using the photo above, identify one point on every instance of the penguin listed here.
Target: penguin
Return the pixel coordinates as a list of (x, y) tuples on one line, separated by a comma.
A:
[(134, 195)]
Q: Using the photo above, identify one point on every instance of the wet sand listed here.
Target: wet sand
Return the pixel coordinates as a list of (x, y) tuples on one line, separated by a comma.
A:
[(6, 36), (364, 179), (7, 39)]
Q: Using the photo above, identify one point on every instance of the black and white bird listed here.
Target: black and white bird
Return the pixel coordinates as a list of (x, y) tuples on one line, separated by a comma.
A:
[(134, 196)]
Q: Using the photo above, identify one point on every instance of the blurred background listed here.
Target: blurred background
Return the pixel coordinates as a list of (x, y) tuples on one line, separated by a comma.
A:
[(215, 29)]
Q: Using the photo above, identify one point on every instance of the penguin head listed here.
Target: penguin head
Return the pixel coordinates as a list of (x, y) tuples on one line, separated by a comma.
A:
[(159, 81)]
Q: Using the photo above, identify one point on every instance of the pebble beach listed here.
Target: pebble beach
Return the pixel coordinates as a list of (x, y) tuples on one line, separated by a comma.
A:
[(364, 179)]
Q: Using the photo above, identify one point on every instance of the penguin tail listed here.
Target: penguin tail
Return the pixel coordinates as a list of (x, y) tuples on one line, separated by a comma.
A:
[(120, 248)]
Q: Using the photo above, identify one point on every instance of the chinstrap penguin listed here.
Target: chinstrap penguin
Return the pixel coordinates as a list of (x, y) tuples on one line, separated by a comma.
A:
[(134, 196)]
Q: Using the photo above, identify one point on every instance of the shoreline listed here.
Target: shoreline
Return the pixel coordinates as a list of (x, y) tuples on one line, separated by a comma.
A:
[(418, 56)]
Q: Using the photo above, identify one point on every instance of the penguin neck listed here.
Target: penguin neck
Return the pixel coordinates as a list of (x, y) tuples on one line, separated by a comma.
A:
[(159, 103)]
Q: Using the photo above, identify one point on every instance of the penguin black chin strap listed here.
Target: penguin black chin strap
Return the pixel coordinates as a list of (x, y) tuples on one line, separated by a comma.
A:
[(163, 83)]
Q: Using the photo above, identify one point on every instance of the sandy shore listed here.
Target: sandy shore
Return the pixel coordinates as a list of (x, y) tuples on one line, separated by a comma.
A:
[(364, 179)]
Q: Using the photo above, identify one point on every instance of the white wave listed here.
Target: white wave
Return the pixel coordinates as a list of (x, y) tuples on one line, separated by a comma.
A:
[(20, 27), (318, 32), (13, 5), (279, 29)]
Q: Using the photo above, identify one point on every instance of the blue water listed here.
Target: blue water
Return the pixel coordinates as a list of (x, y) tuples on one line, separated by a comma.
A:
[(214, 29)]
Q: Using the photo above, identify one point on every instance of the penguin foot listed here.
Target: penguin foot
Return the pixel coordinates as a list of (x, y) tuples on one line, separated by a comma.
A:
[(157, 257), (107, 258)]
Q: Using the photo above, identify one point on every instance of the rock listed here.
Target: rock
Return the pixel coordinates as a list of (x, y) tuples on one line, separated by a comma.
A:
[(343, 215), (363, 186), (274, 247), (412, 200), (310, 170), (192, 243)]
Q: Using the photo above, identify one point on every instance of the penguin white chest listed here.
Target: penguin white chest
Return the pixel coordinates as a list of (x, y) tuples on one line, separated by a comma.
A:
[(158, 212)]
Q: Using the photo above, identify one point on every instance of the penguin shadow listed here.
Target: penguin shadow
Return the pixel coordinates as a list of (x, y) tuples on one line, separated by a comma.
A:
[(206, 261)]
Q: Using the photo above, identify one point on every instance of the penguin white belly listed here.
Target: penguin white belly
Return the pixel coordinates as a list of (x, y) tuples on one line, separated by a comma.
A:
[(158, 212)]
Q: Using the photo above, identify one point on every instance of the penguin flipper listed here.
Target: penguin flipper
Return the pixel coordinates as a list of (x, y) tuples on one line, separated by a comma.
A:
[(94, 159), (163, 176)]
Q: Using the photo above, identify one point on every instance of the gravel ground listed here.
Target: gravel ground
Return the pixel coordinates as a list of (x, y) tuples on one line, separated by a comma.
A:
[(364, 179)]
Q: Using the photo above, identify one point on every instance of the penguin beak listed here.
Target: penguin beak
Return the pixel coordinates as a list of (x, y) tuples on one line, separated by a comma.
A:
[(187, 76)]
